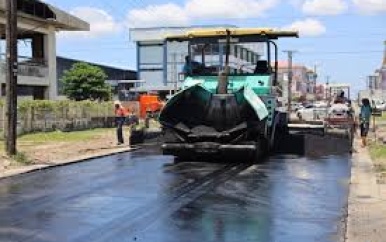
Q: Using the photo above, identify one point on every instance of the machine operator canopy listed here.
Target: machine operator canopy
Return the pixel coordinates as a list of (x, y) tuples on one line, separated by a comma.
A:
[(240, 35)]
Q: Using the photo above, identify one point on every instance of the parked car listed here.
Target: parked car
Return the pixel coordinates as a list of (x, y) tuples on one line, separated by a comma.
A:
[(311, 112), (296, 106), (379, 104), (320, 104)]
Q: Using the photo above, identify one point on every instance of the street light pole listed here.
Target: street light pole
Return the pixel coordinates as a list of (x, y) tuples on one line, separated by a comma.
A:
[(327, 88), (11, 77)]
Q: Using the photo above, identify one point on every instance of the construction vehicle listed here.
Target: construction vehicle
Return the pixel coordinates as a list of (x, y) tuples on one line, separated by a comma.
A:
[(222, 110), (144, 105), (340, 113)]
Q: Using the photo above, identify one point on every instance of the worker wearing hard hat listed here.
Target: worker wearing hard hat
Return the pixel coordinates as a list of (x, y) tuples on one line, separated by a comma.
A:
[(120, 117)]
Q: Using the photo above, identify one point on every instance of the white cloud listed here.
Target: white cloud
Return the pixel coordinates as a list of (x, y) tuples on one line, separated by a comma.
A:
[(228, 8), (101, 23), (307, 27), (157, 15), (370, 6), (324, 7), (178, 15)]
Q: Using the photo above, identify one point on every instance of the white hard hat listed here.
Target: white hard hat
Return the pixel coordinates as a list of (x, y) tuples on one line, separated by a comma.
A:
[(117, 102)]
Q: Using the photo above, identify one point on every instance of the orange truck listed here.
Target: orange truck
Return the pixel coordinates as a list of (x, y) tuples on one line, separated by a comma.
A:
[(149, 104), (143, 104)]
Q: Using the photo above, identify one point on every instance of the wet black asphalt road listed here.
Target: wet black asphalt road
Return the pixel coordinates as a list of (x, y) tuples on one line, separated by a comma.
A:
[(142, 196)]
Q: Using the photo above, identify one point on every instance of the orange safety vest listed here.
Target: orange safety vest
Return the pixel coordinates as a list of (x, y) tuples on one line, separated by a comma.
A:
[(121, 112)]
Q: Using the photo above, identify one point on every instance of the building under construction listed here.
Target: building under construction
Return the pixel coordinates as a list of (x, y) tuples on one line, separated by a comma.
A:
[(38, 24)]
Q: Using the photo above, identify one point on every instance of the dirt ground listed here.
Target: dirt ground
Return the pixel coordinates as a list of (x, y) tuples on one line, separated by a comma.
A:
[(52, 152)]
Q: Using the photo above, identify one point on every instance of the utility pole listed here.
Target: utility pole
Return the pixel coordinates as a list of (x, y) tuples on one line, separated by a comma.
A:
[(327, 88), (290, 75), (11, 77)]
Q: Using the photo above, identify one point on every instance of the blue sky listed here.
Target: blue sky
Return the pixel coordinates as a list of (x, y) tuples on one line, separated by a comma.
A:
[(344, 38)]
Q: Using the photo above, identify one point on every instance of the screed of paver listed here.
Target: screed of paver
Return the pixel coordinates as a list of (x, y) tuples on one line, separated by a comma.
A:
[(366, 220)]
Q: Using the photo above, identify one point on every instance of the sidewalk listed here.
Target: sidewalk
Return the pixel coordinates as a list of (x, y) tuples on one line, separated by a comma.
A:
[(44, 150), (366, 220), (25, 169)]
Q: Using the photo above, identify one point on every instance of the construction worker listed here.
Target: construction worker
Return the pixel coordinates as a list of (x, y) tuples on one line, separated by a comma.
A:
[(364, 117), (191, 67), (120, 118), (341, 98)]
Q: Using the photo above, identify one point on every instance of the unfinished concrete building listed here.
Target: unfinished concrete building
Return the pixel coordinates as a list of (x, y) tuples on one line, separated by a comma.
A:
[(38, 24)]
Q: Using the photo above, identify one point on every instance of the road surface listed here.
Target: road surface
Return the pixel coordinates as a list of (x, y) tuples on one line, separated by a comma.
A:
[(143, 196)]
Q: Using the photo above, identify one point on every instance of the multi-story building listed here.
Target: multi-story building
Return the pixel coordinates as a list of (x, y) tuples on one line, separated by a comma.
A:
[(38, 24), (382, 71), (303, 80), (159, 63)]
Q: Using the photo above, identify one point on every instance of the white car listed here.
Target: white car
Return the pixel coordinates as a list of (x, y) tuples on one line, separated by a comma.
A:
[(320, 104), (379, 104), (296, 106), (311, 112)]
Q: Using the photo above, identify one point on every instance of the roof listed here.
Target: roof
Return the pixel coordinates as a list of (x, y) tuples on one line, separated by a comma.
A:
[(234, 32), (339, 85), (158, 34), (43, 12), (152, 88), (71, 60)]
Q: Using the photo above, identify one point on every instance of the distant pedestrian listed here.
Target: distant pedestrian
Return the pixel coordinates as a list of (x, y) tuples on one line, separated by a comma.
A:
[(364, 118), (120, 117)]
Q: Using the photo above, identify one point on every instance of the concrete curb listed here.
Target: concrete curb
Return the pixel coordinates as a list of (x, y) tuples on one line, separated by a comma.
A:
[(39, 167), (366, 219)]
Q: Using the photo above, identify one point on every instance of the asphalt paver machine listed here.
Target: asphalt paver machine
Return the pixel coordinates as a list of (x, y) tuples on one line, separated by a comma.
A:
[(227, 108)]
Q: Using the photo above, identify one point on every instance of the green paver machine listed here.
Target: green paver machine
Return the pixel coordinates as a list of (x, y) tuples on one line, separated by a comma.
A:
[(227, 106)]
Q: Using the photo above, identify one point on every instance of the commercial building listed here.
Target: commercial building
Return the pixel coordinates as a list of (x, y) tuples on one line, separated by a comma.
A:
[(38, 24), (376, 82), (159, 64), (303, 80)]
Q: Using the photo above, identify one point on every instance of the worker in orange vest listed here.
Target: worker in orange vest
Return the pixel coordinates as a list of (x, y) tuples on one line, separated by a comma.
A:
[(120, 118)]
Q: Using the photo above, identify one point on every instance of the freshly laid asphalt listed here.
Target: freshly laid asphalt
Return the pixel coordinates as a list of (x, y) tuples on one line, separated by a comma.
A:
[(144, 196)]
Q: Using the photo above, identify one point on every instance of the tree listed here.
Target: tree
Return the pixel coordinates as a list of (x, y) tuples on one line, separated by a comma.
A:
[(84, 81)]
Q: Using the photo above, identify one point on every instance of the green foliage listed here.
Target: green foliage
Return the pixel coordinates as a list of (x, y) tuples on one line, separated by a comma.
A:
[(85, 82), (21, 158), (58, 136), (69, 107), (377, 151), (378, 154)]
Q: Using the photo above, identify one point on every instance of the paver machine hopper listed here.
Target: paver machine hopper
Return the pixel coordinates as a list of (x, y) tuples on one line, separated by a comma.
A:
[(227, 106)]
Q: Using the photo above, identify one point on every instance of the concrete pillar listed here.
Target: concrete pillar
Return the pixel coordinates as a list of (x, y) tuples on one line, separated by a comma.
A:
[(38, 47), (50, 57)]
